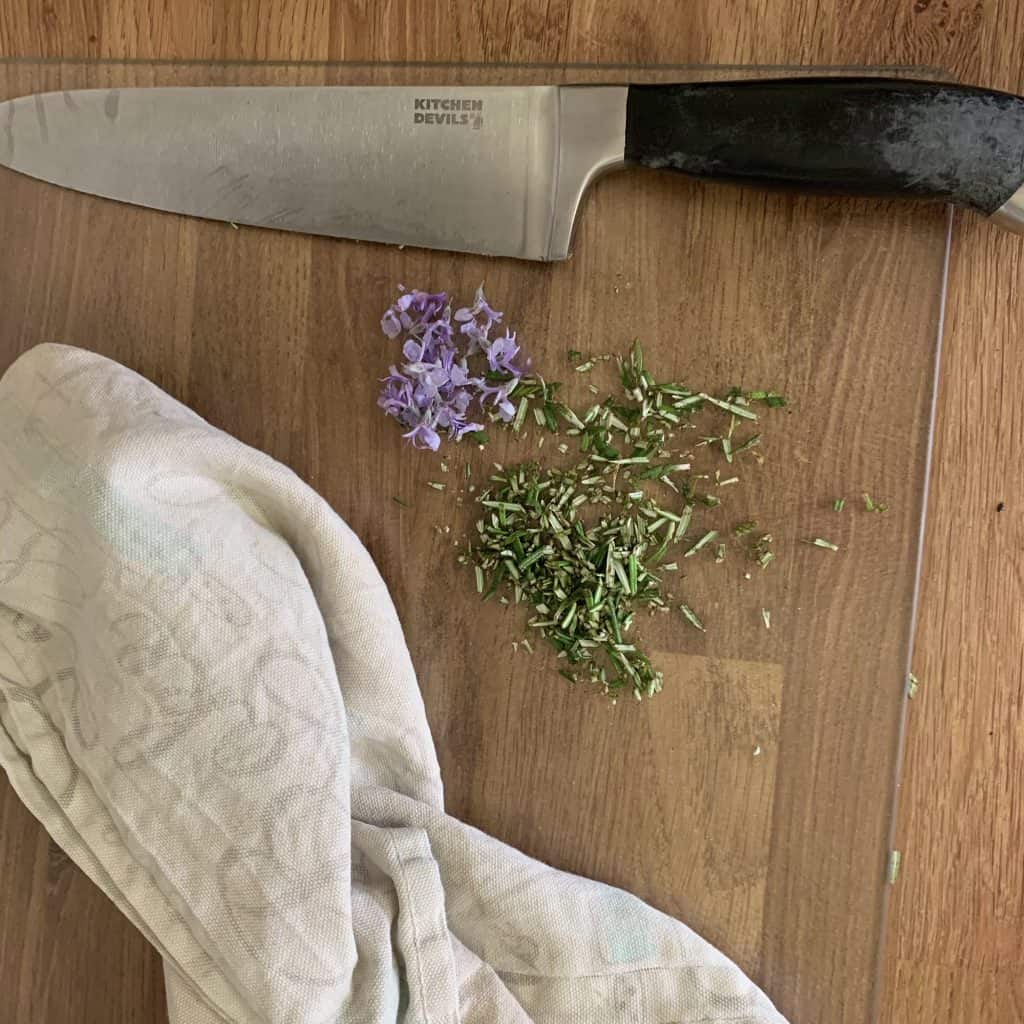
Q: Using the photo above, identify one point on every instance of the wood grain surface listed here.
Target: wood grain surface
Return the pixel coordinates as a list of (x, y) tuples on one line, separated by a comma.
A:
[(957, 922)]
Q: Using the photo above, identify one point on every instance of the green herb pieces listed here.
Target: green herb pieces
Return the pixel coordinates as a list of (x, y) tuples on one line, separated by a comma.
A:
[(751, 442), (892, 873), (740, 529), (871, 505), (435, 485), (761, 550), (736, 410), (912, 686), (766, 617), (582, 577), (691, 617), (838, 505), (584, 545), (702, 543), (400, 503), (770, 398), (820, 542)]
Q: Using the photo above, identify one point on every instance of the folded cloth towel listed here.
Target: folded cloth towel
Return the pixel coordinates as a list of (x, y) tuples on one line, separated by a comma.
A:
[(206, 699)]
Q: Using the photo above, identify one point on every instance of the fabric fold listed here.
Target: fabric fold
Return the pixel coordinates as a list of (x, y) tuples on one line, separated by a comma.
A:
[(206, 698)]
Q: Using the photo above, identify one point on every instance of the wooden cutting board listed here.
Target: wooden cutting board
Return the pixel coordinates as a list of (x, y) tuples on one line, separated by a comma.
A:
[(753, 798)]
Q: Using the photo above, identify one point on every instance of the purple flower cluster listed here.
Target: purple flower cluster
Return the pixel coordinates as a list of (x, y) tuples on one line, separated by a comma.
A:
[(434, 391)]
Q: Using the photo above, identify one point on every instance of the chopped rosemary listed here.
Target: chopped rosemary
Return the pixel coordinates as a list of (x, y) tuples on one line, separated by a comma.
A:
[(583, 545), (838, 505), (770, 398), (893, 869), (691, 617), (751, 442), (761, 551), (703, 542), (736, 410), (874, 506)]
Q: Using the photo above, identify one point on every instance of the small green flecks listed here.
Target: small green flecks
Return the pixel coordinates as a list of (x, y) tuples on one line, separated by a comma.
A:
[(400, 503), (820, 542), (871, 505), (892, 873), (766, 617), (912, 685), (838, 505)]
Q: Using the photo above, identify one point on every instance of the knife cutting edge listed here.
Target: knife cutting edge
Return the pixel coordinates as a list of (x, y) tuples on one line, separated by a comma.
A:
[(503, 170)]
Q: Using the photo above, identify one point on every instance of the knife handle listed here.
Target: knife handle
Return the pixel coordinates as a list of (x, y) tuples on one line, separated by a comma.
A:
[(845, 136)]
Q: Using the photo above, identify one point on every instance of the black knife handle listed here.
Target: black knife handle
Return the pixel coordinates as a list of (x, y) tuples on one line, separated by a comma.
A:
[(846, 136)]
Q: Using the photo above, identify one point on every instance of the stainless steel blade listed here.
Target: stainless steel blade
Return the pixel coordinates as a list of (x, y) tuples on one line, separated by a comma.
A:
[(498, 170)]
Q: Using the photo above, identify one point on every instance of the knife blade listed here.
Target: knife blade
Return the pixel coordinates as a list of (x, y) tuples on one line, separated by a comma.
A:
[(504, 170)]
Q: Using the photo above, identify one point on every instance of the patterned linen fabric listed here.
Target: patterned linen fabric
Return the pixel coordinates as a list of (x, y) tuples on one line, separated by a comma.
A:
[(206, 698)]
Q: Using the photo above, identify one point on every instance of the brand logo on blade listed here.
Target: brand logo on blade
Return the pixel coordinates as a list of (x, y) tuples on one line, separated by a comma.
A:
[(461, 113)]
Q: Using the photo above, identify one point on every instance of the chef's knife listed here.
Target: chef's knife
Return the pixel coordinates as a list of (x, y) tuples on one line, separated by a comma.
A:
[(503, 170)]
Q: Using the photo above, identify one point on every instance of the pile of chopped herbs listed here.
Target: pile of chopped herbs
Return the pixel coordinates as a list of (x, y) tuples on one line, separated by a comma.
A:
[(587, 547)]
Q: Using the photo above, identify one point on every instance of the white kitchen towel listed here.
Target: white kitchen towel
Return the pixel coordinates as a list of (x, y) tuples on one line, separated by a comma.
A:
[(206, 698)]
